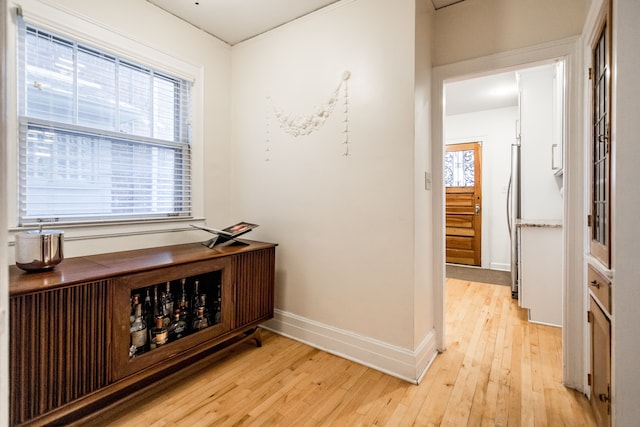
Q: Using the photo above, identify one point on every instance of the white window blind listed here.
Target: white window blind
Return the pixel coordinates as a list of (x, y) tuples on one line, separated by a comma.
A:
[(101, 138)]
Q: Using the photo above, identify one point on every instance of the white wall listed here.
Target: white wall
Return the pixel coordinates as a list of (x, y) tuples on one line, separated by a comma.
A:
[(149, 31), (346, 226), (496, 130), (626, 202), (476, 28)]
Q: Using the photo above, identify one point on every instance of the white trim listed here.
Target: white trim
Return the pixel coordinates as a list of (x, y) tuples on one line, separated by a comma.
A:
[(571, 50), (500, 266), (466, 140), (393, 360), (127, 229), (69, 23)]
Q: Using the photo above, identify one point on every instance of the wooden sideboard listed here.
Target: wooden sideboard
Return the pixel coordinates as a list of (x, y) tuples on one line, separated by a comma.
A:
[(69, 352)]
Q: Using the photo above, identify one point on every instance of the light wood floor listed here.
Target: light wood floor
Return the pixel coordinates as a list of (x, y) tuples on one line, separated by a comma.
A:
[(498, 370)]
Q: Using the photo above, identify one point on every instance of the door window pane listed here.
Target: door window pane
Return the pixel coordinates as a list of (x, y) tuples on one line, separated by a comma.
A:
[(459, 168)]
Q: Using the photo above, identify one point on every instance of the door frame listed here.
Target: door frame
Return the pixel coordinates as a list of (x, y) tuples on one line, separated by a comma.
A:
[(574, 301)]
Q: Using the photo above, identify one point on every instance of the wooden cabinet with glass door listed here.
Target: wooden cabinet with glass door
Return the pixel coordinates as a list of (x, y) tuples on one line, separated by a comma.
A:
[(94, 331), (599, 283)]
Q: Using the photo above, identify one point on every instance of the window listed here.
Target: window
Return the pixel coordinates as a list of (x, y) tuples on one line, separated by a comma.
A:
[(459, 168), (101, 138)]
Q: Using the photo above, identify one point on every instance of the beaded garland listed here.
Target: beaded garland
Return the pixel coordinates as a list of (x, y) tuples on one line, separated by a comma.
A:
[(300, 125)]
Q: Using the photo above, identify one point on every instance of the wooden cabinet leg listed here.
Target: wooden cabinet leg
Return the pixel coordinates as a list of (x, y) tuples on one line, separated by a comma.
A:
[(254, 334)]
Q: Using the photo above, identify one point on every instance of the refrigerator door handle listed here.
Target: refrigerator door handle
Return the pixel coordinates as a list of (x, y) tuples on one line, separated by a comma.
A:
[(509, 206), (513, 210)]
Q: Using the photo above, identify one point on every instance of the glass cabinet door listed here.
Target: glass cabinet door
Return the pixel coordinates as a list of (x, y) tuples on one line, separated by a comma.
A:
[(166, 312), (163, 312), (599, 220)]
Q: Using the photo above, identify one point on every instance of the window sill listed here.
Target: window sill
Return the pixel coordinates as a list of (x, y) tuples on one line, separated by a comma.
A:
[(104, 230)]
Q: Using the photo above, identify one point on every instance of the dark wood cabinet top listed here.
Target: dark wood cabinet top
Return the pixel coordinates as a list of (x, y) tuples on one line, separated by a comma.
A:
[(98, 267)]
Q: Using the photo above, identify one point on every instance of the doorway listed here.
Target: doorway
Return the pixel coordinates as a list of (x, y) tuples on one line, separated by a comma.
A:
[(568, 49), (494, 108), (463, 201), (521, 123)]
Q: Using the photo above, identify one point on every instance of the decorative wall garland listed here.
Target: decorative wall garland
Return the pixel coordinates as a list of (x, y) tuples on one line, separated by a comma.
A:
[(299, 125)]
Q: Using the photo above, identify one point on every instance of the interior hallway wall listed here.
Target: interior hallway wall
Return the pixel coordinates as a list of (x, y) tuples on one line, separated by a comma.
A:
[(476, 28), (346, 225), (423, 233)]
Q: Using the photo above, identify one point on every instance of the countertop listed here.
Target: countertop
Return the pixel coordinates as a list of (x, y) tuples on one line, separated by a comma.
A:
[(539, 223)]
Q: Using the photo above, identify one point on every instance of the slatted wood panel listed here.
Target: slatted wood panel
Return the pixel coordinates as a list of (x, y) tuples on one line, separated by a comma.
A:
[(254, 278), (58, 348), (461, 199), (457, 242), (462, 239)]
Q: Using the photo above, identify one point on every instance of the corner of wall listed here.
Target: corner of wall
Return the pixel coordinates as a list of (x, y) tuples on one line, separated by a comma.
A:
[(392, 360)]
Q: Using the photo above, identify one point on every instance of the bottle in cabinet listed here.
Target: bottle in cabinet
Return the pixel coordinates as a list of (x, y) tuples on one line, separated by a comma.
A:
[(166, 318), (195, 300), (147, 308), (200, 322), (135, 300), (177, 327), (202, 303), (159, 334), (218, 307), (183, 303), (158, 307), (216, 313), (138, 331), (168, 300)]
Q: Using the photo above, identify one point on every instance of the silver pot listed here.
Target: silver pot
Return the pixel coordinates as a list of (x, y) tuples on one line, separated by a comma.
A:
[(39, 250)]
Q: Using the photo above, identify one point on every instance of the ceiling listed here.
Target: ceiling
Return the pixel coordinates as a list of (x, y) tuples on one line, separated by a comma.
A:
[(481, 93), (229, 21), (234, 21), (439, 4)]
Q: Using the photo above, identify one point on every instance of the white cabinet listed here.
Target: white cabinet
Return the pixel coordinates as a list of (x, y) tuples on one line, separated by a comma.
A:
[(540, 239), (541, 271), (540, 140)]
